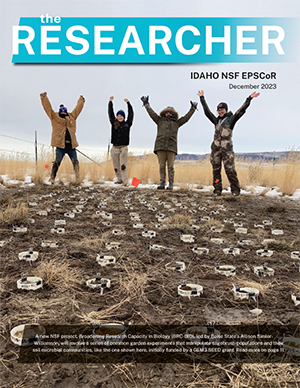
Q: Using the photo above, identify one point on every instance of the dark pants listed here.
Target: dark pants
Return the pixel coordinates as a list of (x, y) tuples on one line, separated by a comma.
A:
[(227, 157), (59, 154)]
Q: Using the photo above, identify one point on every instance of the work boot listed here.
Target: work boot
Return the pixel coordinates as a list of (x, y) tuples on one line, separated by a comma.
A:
[(54, 170), (171, 178), (76, 170), (161, 186)]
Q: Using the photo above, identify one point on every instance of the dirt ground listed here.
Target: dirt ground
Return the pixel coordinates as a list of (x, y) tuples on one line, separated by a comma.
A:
[(142, 291)]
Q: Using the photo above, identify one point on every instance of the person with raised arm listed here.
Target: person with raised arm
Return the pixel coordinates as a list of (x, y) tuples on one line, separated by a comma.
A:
[(165, 147), (63, 133), (222, 146), (120, 138)]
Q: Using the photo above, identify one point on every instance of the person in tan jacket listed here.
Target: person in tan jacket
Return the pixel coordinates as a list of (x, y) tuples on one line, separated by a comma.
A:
[(63, 133)]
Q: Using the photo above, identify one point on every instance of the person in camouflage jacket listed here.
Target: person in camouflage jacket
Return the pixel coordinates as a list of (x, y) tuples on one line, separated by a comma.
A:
[(222, 146), (165, 146)]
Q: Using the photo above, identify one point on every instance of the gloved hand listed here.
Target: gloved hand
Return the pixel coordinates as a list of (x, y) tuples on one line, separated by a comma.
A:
[(145, 100), (194, 104)]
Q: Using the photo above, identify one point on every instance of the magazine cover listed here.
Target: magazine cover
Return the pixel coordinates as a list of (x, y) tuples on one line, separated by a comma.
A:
[(149, 192)]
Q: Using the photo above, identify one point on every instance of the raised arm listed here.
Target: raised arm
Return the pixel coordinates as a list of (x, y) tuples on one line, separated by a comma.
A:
[(241, 111), (154, 116), (208, 113), (47, 105), (111, 113), (182, 120), (130, 112), (78, 108)]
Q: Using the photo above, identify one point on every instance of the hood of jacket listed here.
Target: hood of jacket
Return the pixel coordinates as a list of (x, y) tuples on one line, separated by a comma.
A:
[(171, 110)]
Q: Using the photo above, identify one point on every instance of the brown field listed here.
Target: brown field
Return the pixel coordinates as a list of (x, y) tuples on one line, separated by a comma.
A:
[(142, 292)]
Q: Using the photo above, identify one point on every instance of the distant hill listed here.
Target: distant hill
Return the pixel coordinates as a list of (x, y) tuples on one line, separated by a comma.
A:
[(267, 156)]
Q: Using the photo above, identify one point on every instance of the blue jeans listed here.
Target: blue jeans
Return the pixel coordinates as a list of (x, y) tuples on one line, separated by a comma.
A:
[(60, 153)]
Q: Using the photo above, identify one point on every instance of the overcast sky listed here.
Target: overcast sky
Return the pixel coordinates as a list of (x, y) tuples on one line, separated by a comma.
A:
[(271, 122)]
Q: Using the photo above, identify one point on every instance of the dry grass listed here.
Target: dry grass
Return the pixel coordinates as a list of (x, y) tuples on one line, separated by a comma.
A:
[(132, 288), (144, 168), (133, 285), (14, 214), (16, 164), (178, 221), (40, 171), (284, 174), (59, 274), (260, 233), (93, 243), (296, 242), (108, 170), (295, 287), (194, 172), (264, 289), (290, 174), (242, 376), (50, 311), (213, 222), (270, 375), (96, 172), (280, 246), (265, 191), (105, 315)]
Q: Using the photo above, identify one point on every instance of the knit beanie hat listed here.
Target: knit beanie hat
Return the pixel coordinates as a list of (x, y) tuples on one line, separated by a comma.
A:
[(223, 105), (121, 112), (62, 108)]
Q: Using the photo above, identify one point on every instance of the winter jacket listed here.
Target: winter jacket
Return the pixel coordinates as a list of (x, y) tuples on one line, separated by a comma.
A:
[(60, 125), (120, 131), (224, 125), (167, 127)]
